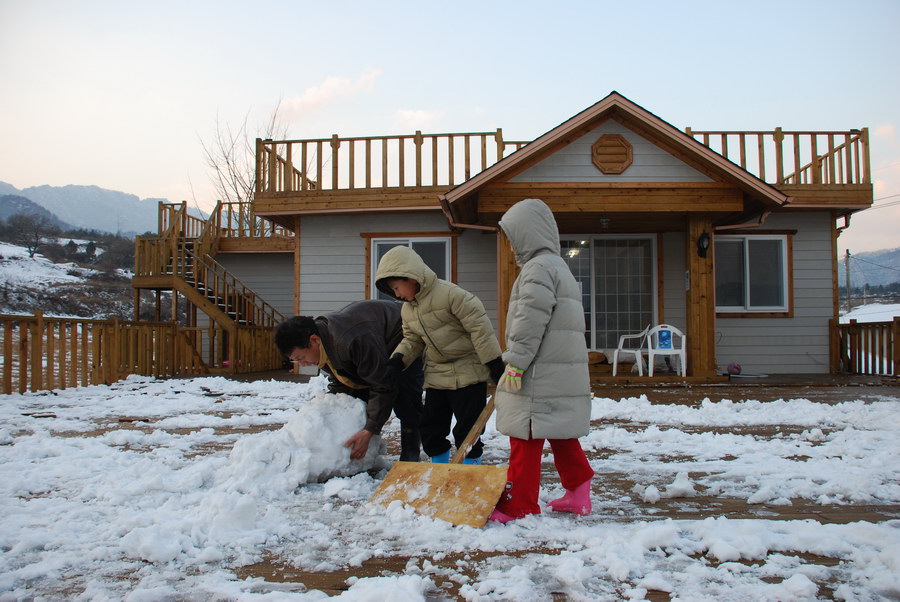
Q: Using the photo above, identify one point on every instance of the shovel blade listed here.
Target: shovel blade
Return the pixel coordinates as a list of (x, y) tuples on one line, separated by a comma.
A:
[(461, 494)]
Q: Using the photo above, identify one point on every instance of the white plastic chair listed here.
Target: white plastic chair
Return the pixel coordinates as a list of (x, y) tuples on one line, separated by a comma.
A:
[(666, 340), (628, 346)]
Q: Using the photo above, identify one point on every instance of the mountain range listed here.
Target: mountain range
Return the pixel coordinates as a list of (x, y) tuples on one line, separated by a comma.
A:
[(93, 208)]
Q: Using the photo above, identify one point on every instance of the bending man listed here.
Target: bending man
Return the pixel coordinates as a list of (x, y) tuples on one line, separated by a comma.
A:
[(352, 346)]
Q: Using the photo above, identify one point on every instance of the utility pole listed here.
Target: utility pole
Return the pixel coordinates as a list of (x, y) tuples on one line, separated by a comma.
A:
[(847, 277)]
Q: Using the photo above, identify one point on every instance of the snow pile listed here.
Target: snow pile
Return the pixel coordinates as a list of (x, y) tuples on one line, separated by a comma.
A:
[(309, 448)]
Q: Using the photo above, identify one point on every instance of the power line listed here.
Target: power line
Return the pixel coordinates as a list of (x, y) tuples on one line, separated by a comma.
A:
[(854, 257), (890, 196)]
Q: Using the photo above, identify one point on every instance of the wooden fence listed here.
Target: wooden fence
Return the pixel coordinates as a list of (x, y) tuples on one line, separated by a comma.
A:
[(43, 353), (867, 347)]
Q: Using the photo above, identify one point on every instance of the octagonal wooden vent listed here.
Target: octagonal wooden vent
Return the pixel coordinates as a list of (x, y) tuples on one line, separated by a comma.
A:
[(611, 154)]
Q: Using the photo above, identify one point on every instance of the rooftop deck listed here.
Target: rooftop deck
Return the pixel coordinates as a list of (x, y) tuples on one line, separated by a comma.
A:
[(407, 172)]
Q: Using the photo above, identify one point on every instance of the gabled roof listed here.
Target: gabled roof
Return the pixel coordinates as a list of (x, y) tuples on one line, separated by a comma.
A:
[(633, 116)]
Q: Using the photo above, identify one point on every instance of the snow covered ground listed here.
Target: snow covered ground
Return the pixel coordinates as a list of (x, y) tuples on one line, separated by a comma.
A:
[(872, 313), (17, 269), (152, 490)]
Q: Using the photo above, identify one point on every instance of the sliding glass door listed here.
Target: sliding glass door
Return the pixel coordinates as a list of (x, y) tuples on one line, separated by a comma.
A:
[(617, 275)]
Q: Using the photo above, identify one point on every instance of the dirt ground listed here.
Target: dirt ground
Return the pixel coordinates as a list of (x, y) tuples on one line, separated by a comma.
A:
[(822, 389)]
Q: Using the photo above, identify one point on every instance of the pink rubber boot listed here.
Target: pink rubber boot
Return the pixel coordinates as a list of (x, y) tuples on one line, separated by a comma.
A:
[(577, 501), (500, 517)]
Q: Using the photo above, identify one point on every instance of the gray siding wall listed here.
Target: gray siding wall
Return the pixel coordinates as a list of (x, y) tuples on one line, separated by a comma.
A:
[(573, 162), (674, 281), (333, 258), (269, 275), (477, 268), (789, 345)]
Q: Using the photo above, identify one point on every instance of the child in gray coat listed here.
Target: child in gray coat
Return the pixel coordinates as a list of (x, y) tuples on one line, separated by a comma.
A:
[(545, 391)]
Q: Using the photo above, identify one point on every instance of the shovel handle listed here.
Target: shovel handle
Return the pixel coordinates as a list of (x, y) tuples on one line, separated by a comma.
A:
[(474, 433)]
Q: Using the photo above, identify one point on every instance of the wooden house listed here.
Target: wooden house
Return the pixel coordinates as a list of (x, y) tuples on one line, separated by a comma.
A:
[(729, 236)]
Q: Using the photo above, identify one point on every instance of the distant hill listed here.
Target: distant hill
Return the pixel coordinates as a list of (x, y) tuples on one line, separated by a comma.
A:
[(95, 208), (12, 204), (872, 267)]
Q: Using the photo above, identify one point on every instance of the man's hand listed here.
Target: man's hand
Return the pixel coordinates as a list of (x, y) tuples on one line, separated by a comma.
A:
[(359, 444)]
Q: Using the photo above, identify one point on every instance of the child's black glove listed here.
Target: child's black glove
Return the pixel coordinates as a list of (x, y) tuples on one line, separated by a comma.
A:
[(393, 369), (496, 368)]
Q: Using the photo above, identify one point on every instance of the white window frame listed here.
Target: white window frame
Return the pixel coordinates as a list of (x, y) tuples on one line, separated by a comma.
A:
[(408, 242), (747, 308)]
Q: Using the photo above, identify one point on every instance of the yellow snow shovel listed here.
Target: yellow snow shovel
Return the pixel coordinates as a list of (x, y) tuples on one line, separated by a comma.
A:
[(461, 494)]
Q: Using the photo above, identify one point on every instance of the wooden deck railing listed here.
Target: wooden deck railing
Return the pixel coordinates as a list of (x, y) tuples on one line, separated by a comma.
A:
[(222, 288), (376, 162), (41, 353), (867, 347), (788, 158), (237, 220), (173, 217)]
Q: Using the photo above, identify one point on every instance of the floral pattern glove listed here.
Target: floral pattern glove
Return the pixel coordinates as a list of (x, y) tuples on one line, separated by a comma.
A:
[(511, 379)]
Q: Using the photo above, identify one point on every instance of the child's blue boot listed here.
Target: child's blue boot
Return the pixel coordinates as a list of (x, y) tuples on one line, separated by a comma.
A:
[(443, 458), (472, 460)]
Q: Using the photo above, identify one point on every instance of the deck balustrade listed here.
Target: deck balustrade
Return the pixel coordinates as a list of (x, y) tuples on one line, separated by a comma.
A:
[(414, 160), (795, 158)]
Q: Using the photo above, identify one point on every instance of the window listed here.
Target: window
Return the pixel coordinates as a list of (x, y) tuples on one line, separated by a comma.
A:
[(617, 275), (752, 273), (435, 251)]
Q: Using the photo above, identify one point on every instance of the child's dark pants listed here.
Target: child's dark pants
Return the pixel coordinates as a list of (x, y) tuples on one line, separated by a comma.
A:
[(441, 405)]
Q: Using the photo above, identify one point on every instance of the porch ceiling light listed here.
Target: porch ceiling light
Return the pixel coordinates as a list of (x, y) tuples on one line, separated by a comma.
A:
[(702, 244)]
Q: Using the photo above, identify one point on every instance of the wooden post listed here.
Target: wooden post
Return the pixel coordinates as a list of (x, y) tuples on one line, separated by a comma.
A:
[(37, 352), (289, 169), (418, 142), (700, 300), (866, 166), (895, 351), (779, 159), (335, 147), (507, 270), (259, 163)]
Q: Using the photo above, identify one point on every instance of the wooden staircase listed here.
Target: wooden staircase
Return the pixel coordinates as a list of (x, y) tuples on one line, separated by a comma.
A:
[(180, 260)]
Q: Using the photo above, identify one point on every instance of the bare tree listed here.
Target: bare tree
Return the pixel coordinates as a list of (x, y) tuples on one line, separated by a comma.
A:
[(29, 230), (231, 156)]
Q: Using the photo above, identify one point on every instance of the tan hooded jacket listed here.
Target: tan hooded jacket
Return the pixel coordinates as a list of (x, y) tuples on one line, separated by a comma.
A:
[(544, 334), (446, 322)]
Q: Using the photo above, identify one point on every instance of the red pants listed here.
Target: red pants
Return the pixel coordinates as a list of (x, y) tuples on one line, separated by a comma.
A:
[(524, 474)]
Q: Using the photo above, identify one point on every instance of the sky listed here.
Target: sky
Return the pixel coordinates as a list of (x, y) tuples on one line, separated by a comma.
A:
[(150, 490), (121, 94)]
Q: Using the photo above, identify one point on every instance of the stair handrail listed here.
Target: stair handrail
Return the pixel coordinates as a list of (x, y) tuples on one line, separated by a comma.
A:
[(208, 241), (263, 314)]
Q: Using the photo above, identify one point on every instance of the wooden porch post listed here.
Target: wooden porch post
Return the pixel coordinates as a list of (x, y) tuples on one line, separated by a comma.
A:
[(700, 300), (507, 270)]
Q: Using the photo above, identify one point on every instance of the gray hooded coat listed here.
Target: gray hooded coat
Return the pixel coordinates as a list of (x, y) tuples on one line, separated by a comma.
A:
[(544, 334)]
